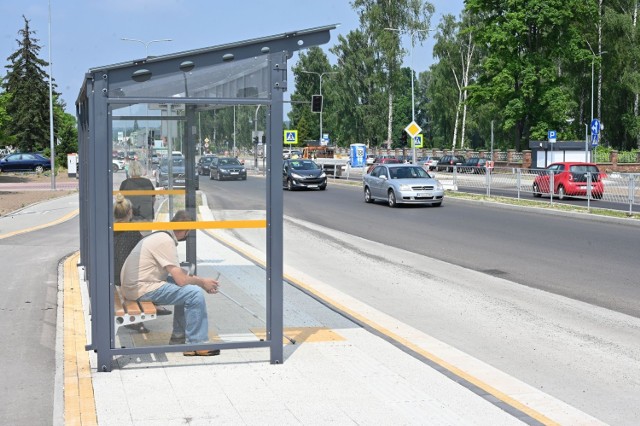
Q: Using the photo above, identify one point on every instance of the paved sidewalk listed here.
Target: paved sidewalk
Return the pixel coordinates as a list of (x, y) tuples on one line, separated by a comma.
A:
[(350, 365)]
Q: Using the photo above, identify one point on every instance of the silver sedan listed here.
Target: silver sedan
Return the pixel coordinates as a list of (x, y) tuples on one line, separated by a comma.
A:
[(402, 184)]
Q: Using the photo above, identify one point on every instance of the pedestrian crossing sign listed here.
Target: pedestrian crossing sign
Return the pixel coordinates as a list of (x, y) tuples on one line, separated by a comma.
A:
[(291, 137), (417, 141)]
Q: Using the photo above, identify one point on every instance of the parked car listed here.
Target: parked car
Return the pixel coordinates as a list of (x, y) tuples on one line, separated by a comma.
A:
[(402, 184), (222, 168), (155, 159), (291, 153), (178, 172), (448, 162), (569, 179), (132, 155), (303, 173), (25, 162), (203, 164), (370, 159), (474, 165), (429, 163), (383, 160), (117, 165)]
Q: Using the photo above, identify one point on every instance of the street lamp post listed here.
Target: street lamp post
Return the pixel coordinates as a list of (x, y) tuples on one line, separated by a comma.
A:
[(413, 102), (320, 75), (146, 43)]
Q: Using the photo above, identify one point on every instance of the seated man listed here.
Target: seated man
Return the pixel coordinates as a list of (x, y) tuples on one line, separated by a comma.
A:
[(145, 277)]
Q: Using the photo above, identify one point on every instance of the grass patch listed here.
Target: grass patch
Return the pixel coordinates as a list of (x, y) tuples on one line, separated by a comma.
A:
[(543, 205)]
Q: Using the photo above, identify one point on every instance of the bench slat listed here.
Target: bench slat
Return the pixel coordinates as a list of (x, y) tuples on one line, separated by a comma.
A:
[(148, 308), (119, 309), (132, 307)]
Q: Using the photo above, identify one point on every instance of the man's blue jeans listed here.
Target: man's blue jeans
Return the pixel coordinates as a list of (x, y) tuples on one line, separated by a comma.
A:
[(190, 309)]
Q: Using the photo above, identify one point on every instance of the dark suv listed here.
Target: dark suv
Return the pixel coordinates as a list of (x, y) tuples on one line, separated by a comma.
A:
[(448, 162)]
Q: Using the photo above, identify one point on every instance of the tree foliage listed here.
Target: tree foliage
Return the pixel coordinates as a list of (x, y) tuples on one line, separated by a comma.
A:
[(24, 103)]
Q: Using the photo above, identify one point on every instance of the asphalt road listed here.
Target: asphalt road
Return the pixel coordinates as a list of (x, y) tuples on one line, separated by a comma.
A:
[(586, 260), (28, 316), (484, 298)]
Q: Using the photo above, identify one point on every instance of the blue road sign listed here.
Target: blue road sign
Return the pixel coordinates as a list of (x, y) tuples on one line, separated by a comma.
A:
[(552, 135), (595, 131)]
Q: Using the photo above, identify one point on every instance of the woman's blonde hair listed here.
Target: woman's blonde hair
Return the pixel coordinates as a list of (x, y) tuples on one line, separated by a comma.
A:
[(121, 208), (136, 169)]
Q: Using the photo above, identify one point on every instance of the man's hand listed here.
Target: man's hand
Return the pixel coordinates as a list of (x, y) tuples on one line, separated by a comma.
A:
[(209, 285)]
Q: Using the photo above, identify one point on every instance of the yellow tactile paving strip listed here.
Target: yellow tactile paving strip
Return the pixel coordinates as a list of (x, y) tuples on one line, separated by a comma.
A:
[(79, 402)]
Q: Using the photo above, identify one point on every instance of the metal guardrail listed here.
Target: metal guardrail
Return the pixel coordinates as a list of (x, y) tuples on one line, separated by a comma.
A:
[(623, 188)]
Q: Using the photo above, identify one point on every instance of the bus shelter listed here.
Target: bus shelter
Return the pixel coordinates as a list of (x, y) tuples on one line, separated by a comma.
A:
[(163, 115)]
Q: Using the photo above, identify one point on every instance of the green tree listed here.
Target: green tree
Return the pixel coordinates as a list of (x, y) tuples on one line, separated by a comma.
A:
[(5, 135), (311, 64), (27, 83), (359, 108), (528, 43), (384, 22)]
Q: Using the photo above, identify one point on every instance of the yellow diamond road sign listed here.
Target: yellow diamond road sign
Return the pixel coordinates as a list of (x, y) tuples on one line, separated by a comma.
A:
[(413, 129)]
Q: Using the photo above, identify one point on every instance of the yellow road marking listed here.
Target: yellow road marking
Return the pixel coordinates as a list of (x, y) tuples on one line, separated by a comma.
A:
[(404, 342), (64, 218)]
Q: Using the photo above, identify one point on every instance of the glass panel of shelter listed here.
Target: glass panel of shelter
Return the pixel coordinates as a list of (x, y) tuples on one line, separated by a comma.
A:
[(230, 214)]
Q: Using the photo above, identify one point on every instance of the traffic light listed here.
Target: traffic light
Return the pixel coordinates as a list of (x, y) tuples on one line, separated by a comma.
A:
[(316, 103), (255, 140), (403, 138), (264, 139)]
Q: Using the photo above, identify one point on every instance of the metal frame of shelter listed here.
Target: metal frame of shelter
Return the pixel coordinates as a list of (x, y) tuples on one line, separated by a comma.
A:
[(252, 72)]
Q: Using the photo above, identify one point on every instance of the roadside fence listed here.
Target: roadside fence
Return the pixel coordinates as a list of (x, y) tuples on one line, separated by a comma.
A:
[(622, 188)]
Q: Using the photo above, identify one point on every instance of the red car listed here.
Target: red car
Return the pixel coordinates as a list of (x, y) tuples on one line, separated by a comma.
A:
[(569, 179), (383, 160)]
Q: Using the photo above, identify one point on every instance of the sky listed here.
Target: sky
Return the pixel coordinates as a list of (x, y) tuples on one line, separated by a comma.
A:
[(87, 33)]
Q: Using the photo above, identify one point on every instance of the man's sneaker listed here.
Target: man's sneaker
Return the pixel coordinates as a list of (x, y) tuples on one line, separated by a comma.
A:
[(213, 352)]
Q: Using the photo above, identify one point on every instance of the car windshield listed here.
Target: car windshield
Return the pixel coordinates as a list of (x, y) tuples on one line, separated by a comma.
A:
[(176, 162), (303, 165), (408, 173), (207, 160), (228, 162)]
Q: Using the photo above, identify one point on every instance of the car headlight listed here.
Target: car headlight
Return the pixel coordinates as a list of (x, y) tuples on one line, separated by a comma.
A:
[(296, 176), (439, 186), (323, 175), (243, 170), (405, 187)]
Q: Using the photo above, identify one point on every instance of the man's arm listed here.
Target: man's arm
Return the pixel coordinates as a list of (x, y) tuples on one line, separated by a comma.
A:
[(181, 278)]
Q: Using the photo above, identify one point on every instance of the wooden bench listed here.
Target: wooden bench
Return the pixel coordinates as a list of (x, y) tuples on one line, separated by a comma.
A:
[(130, 311)]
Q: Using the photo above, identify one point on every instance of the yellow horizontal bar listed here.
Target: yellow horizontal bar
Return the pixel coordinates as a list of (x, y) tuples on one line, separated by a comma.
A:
[(211, 224), (151, 192)]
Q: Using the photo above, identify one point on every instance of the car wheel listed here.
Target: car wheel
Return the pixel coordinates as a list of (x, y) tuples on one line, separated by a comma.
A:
[(597, 195), (210, 175), (437, 204), (536, 191), (323, 187), (289, 185), (39, 169), (562, 194), (244, 178), (219, 176), (367, 195), (392, 199), (115, 168)]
